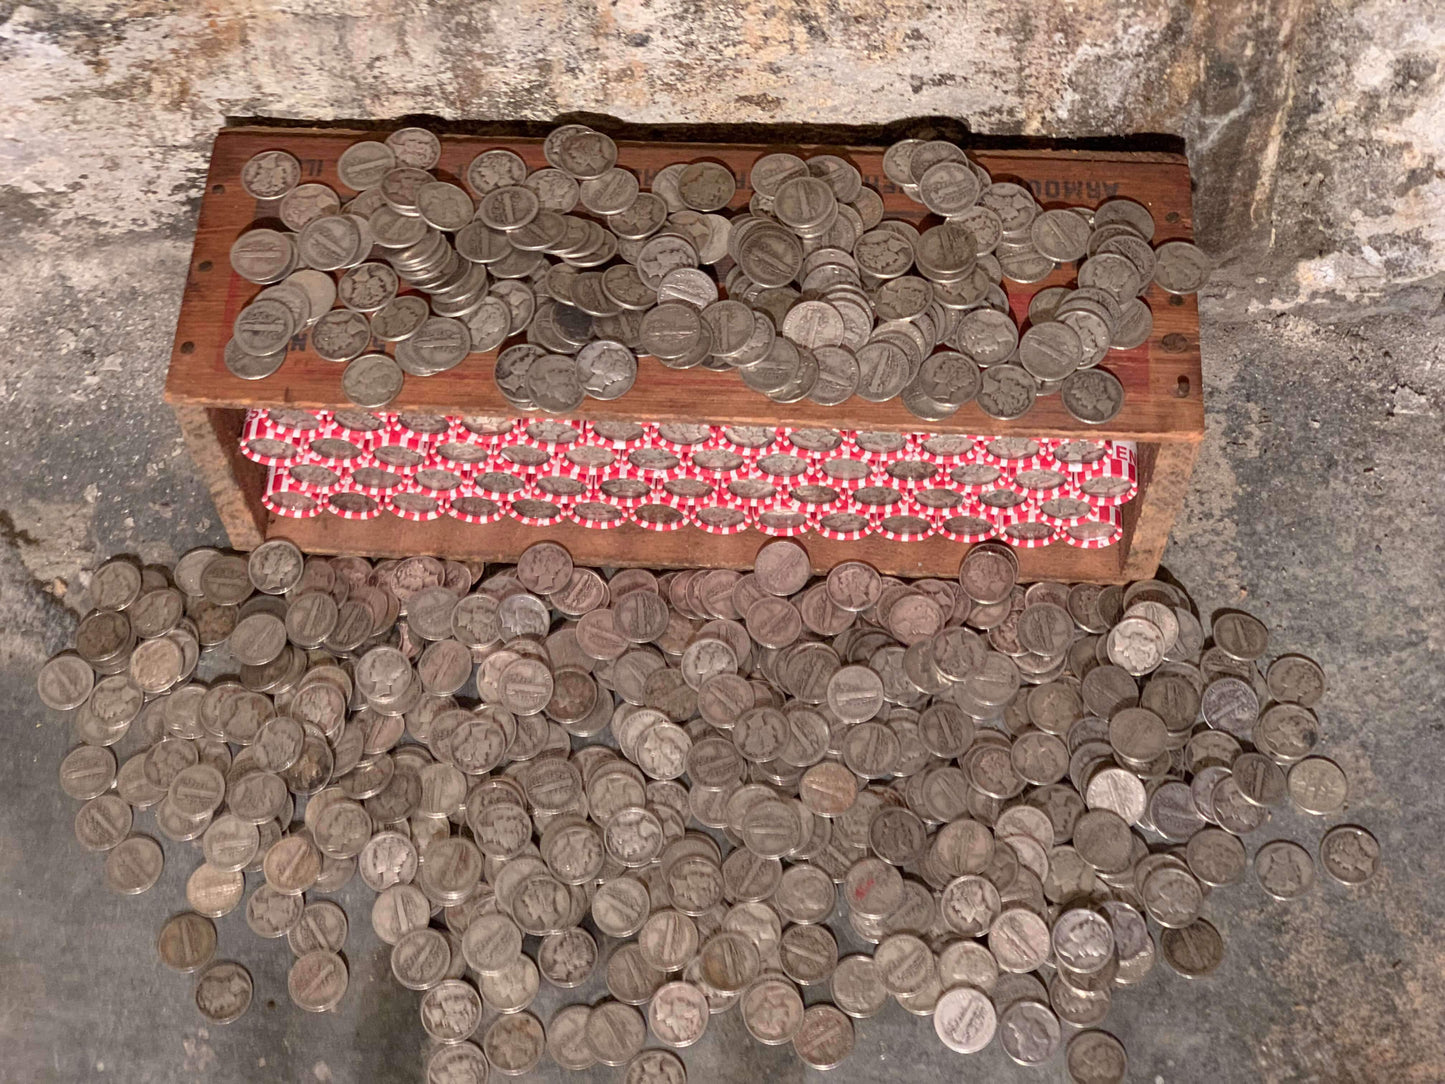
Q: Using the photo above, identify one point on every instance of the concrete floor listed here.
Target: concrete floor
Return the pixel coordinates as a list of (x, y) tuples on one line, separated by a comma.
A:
[(1317, 502)]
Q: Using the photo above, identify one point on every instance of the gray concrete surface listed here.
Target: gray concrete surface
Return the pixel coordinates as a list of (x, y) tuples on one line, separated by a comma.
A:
[(1316, 133)]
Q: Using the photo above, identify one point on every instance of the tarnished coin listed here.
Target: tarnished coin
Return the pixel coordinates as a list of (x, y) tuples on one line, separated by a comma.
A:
[(1096, 1057), (187, 942), (1285, 870), (223, 992), (134, 865), (1350, 854), (317, 981)]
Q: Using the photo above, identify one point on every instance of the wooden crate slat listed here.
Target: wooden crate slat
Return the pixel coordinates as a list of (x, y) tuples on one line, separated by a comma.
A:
[(686, 547), (1162, 378)]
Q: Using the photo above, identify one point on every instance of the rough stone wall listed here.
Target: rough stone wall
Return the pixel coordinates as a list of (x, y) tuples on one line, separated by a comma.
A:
[(1315, 129)]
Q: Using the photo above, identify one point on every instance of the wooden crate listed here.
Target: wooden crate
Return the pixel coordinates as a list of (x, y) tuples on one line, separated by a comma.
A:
[(1163, 411)]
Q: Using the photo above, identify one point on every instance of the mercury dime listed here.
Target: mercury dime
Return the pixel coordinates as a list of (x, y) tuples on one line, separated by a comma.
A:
[(223, 992), (270, 175), (372, 381), (317, 981), (1095, 1057), (1350, 854), (1317, 785), (964, 1020), (615, 1032), (134, 865), (656, 1067), (1193, 951), (772, 1011), (187, 942), (1285, 870)]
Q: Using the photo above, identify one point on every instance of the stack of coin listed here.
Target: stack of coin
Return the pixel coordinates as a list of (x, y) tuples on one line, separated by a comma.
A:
[(1011, 791), (780, 481), (809, 292)]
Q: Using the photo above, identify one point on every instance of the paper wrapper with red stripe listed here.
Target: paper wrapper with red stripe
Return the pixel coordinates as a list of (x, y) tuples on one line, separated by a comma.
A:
[(945, 449), (942, 498), (1081, 457), (623, 487), (817, 496), (587, 458), (907, 521), (428, 428), (908, 473), (717, 463), (551, 435), (1026, 529), (349, 504), (600, 515), (784, 467), (965, 524), (659, 515), (1116, 483), (684, 438), (1011, 451), (716, 517), (1103, 528), (338, 446), (485, 431), (813, 443), (1040, 478), (261, 443), (411, 502), (685, 489), (313, 476), (973, 475), (620, 435), (537, 511), (880, 446), (292, 422), (844, 524), (654, 461), (439, 477), (376, 478), (749, 441), (397, 435), (846, 469), (499, 479), (288, 499), (520, 458), (459, 453), (1065, 509), (749, 492), (999, 503), (471, 507), (878, 499), (782, 517)]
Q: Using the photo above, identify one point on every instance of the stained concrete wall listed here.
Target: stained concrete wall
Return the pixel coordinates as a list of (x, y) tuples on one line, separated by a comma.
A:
[(1315, 130)]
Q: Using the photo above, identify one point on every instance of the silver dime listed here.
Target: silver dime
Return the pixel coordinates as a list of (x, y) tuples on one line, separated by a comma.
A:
[(1350, 854), (223, 992)]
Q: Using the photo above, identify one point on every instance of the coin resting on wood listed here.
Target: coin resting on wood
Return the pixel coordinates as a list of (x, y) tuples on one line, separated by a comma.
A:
[(809, 291), (993, 778)]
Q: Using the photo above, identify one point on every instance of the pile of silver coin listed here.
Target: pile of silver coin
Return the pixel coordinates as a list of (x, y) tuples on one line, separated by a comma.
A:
[(1008, 799), (809, 293)]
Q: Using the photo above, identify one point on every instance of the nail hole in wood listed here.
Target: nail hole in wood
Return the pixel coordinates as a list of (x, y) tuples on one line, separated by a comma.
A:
[(188, 348), (1182, 388)]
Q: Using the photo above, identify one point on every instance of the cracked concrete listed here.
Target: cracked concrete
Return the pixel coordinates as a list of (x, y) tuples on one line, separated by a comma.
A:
[(1316, 134)]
